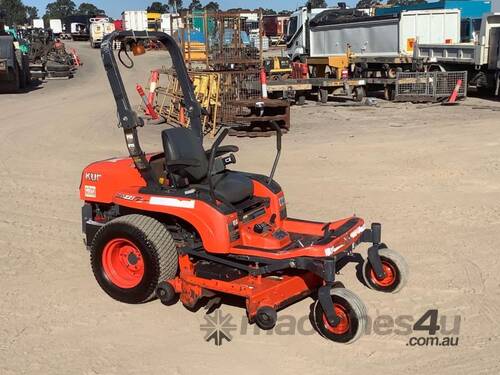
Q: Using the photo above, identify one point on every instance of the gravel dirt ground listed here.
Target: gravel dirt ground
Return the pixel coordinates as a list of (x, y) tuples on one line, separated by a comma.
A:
[(430, 174)]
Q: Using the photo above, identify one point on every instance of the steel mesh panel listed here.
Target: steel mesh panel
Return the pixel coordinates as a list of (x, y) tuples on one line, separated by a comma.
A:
[(429, 86)]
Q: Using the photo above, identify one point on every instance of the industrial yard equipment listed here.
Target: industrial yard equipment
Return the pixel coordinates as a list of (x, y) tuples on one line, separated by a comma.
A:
[(373, 44), (225, 67), (99, 28), (180, 223), (48, 57), (480, 57), (229, 99), (14, 65), (429, 86)]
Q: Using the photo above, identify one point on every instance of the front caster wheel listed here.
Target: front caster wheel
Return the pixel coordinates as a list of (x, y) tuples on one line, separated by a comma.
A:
[(395, 269), (165, 292), (351, 312), (266, 317)]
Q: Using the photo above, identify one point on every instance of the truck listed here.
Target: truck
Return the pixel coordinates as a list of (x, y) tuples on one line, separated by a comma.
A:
[(14, 65), (99, 28), (78, 27), (38, 23), (335, 39), (136, 20), (471, 12), (480, 58), (295, 36), (56, 27)]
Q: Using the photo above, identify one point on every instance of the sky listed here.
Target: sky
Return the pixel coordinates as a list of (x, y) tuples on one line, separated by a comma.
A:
[(114, 8)]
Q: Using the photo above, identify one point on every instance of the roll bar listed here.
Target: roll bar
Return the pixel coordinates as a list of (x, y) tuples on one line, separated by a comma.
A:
[(128, 119)]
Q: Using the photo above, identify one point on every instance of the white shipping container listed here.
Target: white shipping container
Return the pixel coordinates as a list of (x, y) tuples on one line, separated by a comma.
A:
[(136, 20), (38, 23), (56, 26)]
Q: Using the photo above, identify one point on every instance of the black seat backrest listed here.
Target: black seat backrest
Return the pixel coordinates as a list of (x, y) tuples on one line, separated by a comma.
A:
[(183, 144)]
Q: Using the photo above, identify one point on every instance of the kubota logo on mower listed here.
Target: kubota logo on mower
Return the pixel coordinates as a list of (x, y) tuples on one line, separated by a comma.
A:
[(94, 177)]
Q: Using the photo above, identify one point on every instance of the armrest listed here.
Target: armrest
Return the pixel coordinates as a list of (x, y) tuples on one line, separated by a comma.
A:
[(222, 150)]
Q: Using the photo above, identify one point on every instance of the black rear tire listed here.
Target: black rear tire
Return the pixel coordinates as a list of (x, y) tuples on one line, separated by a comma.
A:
[(158, 255)]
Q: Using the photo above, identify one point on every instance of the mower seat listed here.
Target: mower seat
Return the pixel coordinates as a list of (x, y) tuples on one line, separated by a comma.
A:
[(181, 144)]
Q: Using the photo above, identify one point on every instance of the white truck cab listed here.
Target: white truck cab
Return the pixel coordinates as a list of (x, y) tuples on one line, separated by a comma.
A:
[(99, 28), (295, 35)]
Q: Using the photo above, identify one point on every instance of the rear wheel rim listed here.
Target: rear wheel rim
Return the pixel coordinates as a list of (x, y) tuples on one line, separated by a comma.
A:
[(390, 276), (344, 324), (123, 263)]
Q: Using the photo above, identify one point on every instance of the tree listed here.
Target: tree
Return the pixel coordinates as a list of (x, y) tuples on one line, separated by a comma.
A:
[(14, 12), (157, 7), (91, 10), (266, 12), (318, 3), (195, 5), (212, 6), (60, 9), (32, 13), (175, 5)]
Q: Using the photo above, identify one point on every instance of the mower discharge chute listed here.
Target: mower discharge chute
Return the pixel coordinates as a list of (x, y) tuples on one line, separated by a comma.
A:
[(180, 223)]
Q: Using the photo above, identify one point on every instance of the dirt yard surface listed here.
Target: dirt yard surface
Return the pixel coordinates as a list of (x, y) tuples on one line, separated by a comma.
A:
[(430, 174)]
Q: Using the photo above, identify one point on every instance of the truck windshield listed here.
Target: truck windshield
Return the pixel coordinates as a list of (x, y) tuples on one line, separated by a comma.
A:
[(292, 26)]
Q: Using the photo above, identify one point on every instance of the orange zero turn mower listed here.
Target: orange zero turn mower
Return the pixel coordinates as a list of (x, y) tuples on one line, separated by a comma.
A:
[(179, 224)]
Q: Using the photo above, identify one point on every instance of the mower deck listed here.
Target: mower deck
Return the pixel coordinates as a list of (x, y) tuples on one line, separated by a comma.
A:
[(275, 291)]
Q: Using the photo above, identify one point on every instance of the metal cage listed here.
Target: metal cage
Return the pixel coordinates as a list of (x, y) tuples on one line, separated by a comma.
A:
[(429, 86)]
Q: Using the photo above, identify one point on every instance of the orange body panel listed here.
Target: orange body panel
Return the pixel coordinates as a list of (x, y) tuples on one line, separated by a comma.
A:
[(116, 181)]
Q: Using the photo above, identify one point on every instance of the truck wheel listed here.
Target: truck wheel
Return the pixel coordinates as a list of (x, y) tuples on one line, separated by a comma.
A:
[(323, 96), (26, 70), (352, 313), (359, 93), (14, 85), (24, 78), (396, 272), (131, 255), (389, 93), (301, 100)]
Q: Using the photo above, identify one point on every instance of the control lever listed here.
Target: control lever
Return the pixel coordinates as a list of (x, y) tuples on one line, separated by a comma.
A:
[(261, 228), (220, 163), (230, 159)]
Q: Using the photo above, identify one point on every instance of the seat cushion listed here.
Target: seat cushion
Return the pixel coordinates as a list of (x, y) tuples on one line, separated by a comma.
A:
[(233, 186)]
